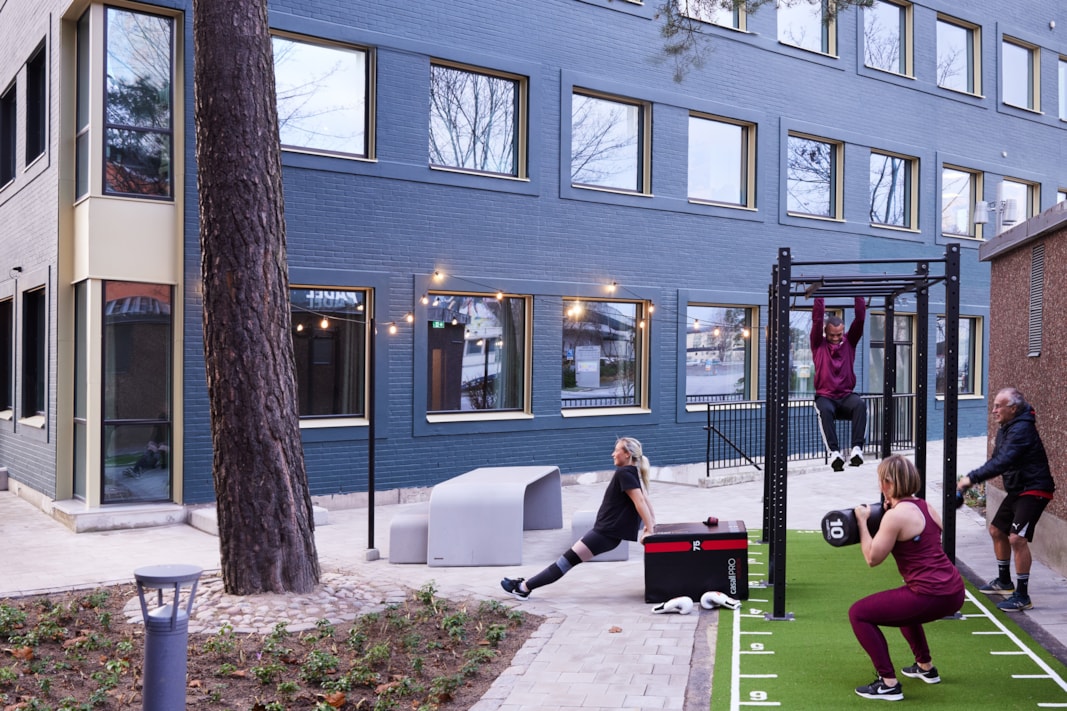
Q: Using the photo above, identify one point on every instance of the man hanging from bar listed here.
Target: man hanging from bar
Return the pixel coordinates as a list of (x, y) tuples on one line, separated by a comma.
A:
[(834, 354)]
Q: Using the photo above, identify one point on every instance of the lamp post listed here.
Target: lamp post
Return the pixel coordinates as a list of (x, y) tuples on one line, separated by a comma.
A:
[(372, 552)]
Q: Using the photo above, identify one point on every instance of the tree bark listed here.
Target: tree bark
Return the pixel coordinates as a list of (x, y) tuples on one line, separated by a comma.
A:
[(266, 525)]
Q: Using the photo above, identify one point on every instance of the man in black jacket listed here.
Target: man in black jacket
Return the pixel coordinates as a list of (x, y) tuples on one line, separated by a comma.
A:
[(1018, 456)]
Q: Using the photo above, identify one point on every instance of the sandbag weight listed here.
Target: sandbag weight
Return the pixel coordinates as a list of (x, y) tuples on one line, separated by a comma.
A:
[(839, 527)]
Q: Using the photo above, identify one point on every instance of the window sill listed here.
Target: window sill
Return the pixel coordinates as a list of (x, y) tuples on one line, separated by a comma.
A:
[(479, 417), (324, 423), (728, 205), (895, 228), (7, 415), (602, 411), (479, 173), (969, 238), (614, 191), (821, 218), (1028, 109), (37, 422)]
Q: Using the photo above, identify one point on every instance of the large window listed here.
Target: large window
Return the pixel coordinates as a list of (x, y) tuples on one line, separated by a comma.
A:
[(34, 353), (718, 353), (970, 366), (8, 114), (960, 189), (138, 107), (807, 24), (610, 143), (477, 120), (36, 105), (893, 190), (712, 12), (1020, 80), (477, 347), (813, 181), (322, 94), (1062, 76), (7, 356), (959, 58), (722, 158), (603, 353), (887, 37), (330, 345), (81, 141), (903, 327), (1022, 200), (137, 392)]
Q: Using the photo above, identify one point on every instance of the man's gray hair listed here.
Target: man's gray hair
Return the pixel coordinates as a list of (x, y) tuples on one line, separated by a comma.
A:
[(1015, 398), (834, 320)]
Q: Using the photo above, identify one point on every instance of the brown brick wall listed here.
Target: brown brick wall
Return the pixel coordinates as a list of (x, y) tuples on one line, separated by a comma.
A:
[(1042, 379)]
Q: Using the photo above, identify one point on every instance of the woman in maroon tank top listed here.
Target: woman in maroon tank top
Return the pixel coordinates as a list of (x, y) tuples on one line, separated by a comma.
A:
[(910, 531)]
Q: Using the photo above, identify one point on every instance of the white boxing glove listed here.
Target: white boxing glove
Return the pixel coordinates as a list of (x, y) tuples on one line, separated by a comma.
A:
[(678, 605), (713, 598)]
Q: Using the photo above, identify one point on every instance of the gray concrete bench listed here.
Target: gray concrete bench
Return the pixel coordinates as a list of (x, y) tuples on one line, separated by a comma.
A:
[(581, 522), (478, 518), (408, 534)]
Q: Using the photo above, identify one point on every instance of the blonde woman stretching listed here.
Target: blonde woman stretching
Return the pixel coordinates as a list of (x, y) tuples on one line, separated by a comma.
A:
[(625, 506)]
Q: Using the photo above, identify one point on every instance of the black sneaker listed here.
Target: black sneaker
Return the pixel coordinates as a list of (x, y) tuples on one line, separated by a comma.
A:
[(878, 690), (837, 462), (857, 457), (930, 675), (1016, 603), (513, 587), (996, 587)]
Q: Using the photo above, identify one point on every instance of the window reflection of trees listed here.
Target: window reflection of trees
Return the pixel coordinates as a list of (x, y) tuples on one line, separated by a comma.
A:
[(957, 198), (605, 138), (968, 349), (954, 48), (890, 190), (804, 24), (811, 167), (139, 103), (882, 24), (321, 96), (473, 121)]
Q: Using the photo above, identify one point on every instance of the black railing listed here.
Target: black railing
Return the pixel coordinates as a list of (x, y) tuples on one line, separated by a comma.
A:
[(601, 401), (736, 430)]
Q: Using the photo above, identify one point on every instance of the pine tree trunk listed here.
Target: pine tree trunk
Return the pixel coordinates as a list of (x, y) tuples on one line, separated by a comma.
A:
[(266, 527)]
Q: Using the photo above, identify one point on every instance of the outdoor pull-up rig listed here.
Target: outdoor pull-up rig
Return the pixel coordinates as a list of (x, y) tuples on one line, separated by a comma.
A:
[(786, 285)]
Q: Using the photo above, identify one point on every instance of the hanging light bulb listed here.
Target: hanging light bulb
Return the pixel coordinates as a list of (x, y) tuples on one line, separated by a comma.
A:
[(499, 296), (409, 317), (641, 324), (696, 324), (744, 333), (455, 321), (437, 275), (425, 299), (612, 287), (324, 323), (299, 327), (717, 331), (392, 328), (651, 307)]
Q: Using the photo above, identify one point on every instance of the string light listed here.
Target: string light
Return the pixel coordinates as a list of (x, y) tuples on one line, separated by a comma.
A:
[(696, 324), (299, 327), (392, 327), (612, 287), (717, 331), (324, 323), (437, 275), (425, 299), (499, 296), (409, 317)]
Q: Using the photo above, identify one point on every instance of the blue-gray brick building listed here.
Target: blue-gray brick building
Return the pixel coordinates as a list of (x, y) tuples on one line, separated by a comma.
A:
[(561, 233)]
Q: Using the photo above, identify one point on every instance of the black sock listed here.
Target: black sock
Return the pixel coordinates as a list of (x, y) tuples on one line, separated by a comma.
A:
[(1024, 582), (1004, 571), (555, 571)]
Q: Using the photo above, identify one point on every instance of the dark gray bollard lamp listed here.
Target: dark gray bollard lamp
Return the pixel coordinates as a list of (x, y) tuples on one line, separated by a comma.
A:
[(166, 639)]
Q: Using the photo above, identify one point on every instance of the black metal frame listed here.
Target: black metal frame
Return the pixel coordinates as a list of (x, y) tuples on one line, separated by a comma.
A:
[(786, 285)]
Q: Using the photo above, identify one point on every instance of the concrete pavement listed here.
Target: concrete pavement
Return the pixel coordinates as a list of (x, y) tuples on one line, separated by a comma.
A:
[(572, 661)]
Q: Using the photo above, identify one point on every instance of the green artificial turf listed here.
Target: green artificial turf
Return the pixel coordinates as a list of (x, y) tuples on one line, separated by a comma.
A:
[(813, 661)]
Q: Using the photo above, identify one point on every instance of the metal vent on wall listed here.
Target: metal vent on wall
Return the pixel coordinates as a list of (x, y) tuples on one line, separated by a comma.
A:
[(1037, 297)]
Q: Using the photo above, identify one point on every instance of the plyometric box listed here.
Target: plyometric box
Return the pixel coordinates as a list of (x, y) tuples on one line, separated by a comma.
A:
[(693, 558)]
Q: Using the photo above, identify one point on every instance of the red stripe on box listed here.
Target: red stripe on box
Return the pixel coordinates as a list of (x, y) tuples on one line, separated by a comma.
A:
[(691, 546)]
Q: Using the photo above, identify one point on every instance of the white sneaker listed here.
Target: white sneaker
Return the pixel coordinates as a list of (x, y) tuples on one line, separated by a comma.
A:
[(857, 457), (837, 461)]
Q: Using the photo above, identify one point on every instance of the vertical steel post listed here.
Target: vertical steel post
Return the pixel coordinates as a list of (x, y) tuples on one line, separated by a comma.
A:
[(779, 443), (952, 367), (889, 377), (922, 343)]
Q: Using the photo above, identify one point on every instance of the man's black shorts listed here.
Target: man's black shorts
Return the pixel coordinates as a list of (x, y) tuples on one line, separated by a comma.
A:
[(1018, 514)]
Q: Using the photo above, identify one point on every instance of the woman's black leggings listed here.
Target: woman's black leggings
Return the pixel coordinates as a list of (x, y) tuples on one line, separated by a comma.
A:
[(594, 540)]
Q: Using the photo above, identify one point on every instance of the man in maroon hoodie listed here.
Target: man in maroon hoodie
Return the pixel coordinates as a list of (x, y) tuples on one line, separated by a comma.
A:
[(834, 354)]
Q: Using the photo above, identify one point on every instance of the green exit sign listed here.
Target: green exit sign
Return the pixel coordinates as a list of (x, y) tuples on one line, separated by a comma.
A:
[(438, 324)]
